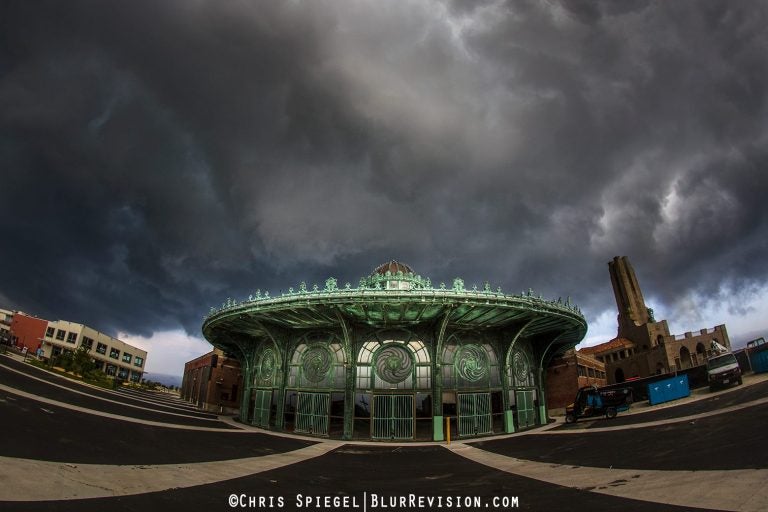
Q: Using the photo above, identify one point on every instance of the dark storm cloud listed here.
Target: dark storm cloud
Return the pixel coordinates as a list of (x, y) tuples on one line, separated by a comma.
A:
[(158, 157)]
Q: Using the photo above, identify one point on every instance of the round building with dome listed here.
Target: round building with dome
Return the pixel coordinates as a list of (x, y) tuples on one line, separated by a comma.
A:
[(394, 358)]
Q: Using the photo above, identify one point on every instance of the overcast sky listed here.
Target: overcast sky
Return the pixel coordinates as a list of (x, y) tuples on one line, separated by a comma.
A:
[(157, 158)]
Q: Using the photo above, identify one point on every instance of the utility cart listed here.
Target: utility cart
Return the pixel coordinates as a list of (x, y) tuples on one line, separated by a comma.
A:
[(591, 401)]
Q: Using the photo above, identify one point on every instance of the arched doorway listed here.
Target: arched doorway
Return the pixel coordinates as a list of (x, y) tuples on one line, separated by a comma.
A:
[(619, 375), (523, 392), (471, 385), (393, 399), (685, 358), (314, 395), (262, 398)]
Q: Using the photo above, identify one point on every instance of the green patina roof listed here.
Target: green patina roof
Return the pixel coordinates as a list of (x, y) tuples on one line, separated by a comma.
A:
[(370, 303)]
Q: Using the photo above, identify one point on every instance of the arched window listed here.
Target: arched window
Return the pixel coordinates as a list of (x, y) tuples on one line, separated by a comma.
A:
[(393, 364), (520, 367), (469, 363), (267, 370), (317, 363), (685, 358)]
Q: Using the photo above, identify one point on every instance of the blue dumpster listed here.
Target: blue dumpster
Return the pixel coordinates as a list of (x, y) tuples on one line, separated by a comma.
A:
[(759, 361), (758, 355), (668, 389)]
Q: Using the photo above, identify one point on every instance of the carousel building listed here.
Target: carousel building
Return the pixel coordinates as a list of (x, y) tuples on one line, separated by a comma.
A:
[(394, 358)]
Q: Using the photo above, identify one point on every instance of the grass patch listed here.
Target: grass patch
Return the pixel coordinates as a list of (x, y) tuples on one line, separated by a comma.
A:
[(94, 377)]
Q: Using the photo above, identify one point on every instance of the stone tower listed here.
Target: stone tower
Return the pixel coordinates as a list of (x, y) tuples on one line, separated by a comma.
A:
[(629, 298)]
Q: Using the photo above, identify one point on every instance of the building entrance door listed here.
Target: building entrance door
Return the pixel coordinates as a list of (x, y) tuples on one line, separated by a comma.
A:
[(262, 403), (526, 413), (392, 417), (474, 414), (312, 413)]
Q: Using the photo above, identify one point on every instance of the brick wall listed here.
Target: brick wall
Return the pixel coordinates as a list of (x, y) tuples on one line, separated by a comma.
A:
[(28, 331)]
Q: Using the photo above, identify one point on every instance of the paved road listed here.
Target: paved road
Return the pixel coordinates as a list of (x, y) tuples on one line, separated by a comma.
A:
[(148, 400), (350, 471), (47, 432), (111, 405), (713, 443), (711, 462)]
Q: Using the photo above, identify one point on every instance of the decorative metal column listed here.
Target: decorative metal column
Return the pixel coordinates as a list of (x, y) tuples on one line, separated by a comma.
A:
[(349, 378)]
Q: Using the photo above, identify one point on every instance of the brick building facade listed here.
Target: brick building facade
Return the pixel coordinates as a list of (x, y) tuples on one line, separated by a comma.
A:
[(27, 331), (566, 374), (213, 382)]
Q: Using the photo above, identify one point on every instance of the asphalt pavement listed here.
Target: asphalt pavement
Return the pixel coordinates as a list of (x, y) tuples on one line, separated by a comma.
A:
[(93, 400), (147, 400), (60, 452)]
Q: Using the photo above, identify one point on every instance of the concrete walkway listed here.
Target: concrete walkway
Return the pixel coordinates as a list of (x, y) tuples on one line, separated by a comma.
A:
[(741, 490), (65, 481)]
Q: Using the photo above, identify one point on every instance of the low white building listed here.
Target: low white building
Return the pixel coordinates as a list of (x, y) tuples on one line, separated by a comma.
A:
[(112, 356), (6, 316)]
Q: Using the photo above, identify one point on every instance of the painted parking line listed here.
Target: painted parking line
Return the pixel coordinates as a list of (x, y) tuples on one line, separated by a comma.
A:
[(739, 490)]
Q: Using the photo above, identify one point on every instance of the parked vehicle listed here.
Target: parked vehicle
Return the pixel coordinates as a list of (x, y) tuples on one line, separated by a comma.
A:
[(591, 401), (723, 370)]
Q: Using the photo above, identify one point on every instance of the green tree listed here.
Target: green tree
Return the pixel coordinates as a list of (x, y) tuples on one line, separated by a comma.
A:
[(66, 360), (82, 362)]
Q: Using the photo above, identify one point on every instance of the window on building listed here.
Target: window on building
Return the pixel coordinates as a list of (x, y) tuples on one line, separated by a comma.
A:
[(49, 332), (138, 361), (122, 373), (114, 353), (111, 369), (582, 373), (71, 337), (55, 351), (87, 343), (60, 335), (591, 372), (127, 357), (101, 348)]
